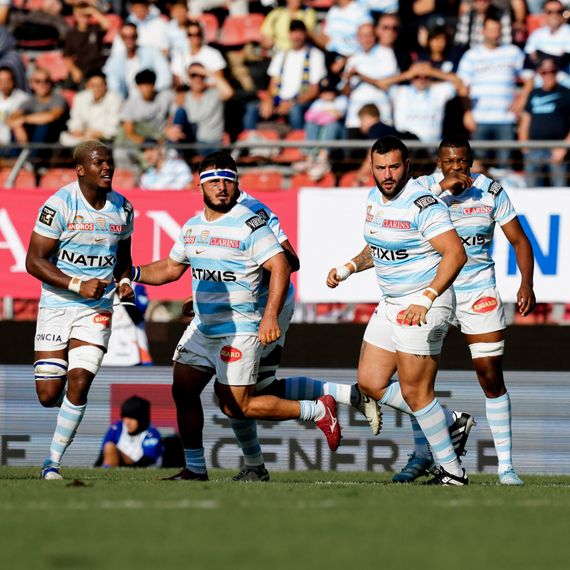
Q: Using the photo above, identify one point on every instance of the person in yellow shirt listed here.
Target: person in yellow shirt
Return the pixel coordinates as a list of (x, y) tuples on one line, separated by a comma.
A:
[(275, 28)]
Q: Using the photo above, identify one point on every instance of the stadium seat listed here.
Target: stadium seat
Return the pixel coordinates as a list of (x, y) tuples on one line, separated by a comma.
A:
[(348, 180), (54, 63), (123, 179), (261, 180), (211, 27), (292, 154), (25, 178), (319, 4), (55, 178), (534, 21), (240, 30), (300, 180), (116, 22)]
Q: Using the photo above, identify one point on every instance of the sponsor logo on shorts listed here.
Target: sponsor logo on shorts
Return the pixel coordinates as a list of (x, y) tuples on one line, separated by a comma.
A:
[(48, 337), (475, 210), (223, 242), (485, 305), (47, 215), (400, 317), (103, 319), (81, 226), (396, 224), (230, 354)]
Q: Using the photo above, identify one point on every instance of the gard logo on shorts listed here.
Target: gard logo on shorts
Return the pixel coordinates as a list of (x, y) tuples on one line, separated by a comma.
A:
[(400, 317), (47, 215), (103, 319), (424, 202), (396, 224), (485, 305), (230, 354), (476, 210)]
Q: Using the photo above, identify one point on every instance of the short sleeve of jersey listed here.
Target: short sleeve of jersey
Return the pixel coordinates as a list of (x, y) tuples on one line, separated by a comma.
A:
[(504, 211), (128, 207), (178, 251), (261, 242), (273, 224), (50, 222), (152, 444), (432, 218)]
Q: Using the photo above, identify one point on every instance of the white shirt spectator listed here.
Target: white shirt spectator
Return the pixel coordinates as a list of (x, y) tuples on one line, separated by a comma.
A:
[(208, 56), (553, 43), (383, 6), (289, 65), (341, 26), (491, 76), (177, 39), (174, 174), (7, 106), (152, 31), (378, 63)]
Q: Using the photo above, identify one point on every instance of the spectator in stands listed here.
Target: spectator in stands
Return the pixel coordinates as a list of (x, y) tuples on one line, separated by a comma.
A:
[(439, 51), (4, 11), (553, 39), (200, 118), (41, 118), (378, 7), (94, 112), (83, 45), (177, 28), (387, 31), (9, 57), (490, 72), (469, 31), (151, 28), (294, 83), (11, 98), (374, 61), (546, 117), (236, 7), (121, 68), (164, 170), (275, 28), (323, 121), (196, 51), (131, 441)]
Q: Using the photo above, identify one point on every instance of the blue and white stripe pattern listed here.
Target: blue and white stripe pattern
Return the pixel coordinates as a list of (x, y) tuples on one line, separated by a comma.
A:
[(398, 233), (498, 412), (226, 257), (195, 460), (393, 397), (246, 435), (216, 173), (68, 420), (474, 213), (491, 76), (341, 26), (382, 6), (303, 388), (88, 241)]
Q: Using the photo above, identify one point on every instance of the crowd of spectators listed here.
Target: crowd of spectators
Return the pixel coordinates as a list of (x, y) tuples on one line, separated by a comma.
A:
[(169, 73)]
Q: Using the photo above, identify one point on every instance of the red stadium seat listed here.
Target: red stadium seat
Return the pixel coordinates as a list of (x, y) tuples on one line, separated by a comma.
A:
[(534, 21), (299, 180), (240, 30), (211, 27), (55, 178), (319, 4), (348, 180), (261, 180), (292, 154), (54, 63), (25, 179), (123, 179)]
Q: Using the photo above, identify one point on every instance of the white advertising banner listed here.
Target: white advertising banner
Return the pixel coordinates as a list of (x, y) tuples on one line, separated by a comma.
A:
[(330, 228)]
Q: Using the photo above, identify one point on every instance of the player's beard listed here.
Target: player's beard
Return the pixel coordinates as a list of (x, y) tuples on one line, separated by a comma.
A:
[(221, 208), (395, 190)]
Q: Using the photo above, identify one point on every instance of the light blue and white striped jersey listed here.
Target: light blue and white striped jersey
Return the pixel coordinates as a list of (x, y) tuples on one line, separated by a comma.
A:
[(383, 6), (474, 213), (553, 43), (88, 241), (491, 76), (341, 26), (398, 231), (226, 257)]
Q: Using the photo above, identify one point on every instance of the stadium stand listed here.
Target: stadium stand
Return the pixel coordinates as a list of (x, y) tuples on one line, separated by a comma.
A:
[(261, 180), (241, 30)]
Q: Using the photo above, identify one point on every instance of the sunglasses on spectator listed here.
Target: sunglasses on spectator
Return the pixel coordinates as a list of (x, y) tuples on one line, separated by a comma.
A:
[(194, 75), (194, 34), (553, 12), (40, 80), (395, 28), (128, 36), (548, 72)]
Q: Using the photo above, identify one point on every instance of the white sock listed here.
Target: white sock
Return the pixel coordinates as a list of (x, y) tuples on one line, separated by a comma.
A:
[(68, 420)]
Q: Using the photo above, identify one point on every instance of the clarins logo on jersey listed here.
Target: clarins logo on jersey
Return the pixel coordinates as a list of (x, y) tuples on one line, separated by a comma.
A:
[(396, 224), (485, 305), (103, 319), (223, 242), (116, 229), (475, 210), (87, 260), (230, 354)]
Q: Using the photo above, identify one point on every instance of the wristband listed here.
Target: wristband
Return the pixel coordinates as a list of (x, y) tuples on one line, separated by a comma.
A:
[(136, 273), (343, 272), (424, 301), (432, 290), (74, 285), (125, 281), (436, 188)]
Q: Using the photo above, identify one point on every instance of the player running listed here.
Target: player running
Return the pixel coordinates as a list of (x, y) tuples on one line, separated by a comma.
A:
[(81, 242)]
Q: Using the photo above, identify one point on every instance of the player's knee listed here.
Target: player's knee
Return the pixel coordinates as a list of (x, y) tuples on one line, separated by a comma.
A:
[(487, 349), (86, 357), (50, 369), (49, 399)]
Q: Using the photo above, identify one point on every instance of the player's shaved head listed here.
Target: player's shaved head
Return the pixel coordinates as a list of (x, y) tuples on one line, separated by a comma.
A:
[(218, 159), (84, 149), (455, 142)]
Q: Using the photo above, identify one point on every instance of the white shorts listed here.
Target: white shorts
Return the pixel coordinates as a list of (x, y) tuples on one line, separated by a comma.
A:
[(233, 358), (386, 331), (56, 326), (479, 312)]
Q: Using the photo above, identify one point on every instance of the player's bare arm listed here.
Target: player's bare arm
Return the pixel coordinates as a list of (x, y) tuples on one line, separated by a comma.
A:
[(39, 265), (361, 262), (278, 267), (513, 231), (160, 272), (453, 258), (122, 271), (291, 255)]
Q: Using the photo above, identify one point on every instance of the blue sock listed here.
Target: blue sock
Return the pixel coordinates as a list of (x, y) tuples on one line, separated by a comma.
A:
[(421, 446), (393, 397), (195, 460), (246, 435), (303, 388), (498, 411)]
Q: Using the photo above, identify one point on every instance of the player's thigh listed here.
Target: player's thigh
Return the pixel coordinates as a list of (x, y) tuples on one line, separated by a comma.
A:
[(234, 399), (189, 381)]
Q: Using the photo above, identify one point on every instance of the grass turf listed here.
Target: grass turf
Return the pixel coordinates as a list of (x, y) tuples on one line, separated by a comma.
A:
[(129, 519)]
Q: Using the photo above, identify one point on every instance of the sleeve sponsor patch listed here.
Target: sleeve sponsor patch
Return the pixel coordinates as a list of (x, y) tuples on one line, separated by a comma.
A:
[(128, 207), (255, 222), (495, 189), (263, 214), (424, 202), (47, 215)]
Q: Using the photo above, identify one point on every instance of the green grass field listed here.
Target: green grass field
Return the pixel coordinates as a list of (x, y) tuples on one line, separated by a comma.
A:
[(130, 520)]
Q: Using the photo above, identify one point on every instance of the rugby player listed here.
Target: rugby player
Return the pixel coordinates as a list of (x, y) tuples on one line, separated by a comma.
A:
[(80, 244)]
